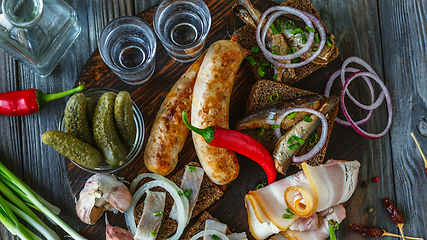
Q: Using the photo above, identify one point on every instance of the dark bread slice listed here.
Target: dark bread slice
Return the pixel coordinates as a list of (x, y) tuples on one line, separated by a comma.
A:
[(259, 98), (246, 36), (200, 226), (209, 193)]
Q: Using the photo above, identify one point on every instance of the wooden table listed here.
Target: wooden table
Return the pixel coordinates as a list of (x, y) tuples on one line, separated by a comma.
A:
[(389, 35)]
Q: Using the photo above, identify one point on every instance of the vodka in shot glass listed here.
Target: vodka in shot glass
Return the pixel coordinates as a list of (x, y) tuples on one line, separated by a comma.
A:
[(182, 27), (128, 46)]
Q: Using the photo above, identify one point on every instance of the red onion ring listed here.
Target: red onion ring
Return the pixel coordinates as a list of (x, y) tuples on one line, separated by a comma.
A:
[(360, 61), (387, 98), (308, 18), (322, 139), (371, 88)]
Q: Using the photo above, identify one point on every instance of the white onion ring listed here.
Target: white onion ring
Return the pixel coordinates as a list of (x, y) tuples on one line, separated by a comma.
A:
[(209, 232), (371, 88), (308, 18), (387, 98), (322, 139), (168, 185)]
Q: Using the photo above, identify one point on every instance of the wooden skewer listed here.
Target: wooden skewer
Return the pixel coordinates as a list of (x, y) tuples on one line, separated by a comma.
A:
[(395, 235), (422, 154), (400, 226)]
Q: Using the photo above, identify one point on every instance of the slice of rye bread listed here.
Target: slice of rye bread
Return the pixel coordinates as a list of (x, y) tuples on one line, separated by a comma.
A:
[(246, 36), (208, 194), (259, 98), (200, 226)]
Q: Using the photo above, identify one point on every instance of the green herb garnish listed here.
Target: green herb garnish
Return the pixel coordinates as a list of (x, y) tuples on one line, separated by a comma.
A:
[(259, 186), (153, 233), (187, 192), (255, 49), (296, 31), (303, 39), (275, 50), (289, 24), (214, 237), (288, 215), (307, 118), (274, 29), (265, 64), (261, 71), (279, 26), (333, 225), (261, 132), (310, 29), (292, 115), (158, 213), (327, 41), (191, 168), (313, 139), (293, 146), (274, 97), (314, 48), (251, 60), (316, 37), (274, 77), (275, 126)]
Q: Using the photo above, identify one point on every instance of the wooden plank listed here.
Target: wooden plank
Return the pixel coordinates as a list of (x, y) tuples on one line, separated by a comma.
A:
[(403, 36)]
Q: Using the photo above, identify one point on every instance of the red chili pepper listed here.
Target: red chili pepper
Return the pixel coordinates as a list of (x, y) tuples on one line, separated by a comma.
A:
[(238, 142), (25, 102)]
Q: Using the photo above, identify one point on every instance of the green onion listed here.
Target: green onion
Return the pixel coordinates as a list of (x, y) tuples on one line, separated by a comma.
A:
[(295, 60), (296, 31), (274, 97), (274, 29), (158, 213), (304, 39), (251, 60), (291, 50), (299, 140), (187, 192), (291, 139), (274, 77), (289, 214), (180, 193), (289, 24), (314, 48), (311, 141), (261, 71), (259, 186), (191, 168), (255, 49), (292, 115), (316, 37), (292, 147), (333, 225), (310, 29), (277, 52), (279, 26), (153, 233), (214, 237), (33, 199), (275, 126), (265, 64), (327, 41), (307, 118), (261, 132)]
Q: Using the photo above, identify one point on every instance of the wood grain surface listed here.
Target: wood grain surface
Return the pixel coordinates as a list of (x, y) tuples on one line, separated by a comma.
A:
[(389, 35)]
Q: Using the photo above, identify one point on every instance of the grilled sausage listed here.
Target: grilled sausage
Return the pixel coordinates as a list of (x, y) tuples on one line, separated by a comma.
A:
[(210, 107), (168, 134)]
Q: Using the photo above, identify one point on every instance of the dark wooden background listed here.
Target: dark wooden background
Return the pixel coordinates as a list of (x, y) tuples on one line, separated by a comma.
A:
[(389, 35)]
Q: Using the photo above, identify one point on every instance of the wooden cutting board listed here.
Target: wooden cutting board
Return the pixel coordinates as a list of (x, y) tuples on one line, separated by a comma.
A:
[(149, 96)]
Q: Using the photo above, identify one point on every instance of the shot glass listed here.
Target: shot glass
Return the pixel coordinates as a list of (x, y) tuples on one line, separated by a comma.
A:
[(128, 46), (182, 26)]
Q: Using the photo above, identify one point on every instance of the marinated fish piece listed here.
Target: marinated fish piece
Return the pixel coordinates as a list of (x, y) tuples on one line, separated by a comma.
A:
[(75, 119), (151, 217), (191, 182), (272, 40), (267, 117), (296, 41), (123, 116), (73, 148), (105, 133), (303, 130)]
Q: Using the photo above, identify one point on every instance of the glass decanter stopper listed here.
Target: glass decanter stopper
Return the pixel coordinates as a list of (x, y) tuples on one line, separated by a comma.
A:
[(37, 32)]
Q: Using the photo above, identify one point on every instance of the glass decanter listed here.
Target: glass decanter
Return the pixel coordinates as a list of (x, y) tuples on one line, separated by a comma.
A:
[(37, 32)]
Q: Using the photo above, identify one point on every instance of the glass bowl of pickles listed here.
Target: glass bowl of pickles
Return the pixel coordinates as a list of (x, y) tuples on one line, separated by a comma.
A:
[(112, 128)]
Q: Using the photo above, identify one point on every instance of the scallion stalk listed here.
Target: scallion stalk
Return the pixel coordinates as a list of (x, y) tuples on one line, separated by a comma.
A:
[(36, 202)]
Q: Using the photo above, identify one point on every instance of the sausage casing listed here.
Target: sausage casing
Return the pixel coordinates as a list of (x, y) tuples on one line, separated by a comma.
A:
[(168, 134), (210, 107)]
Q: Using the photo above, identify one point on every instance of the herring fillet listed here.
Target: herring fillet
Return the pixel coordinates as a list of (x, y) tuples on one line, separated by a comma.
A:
[(154, 203)]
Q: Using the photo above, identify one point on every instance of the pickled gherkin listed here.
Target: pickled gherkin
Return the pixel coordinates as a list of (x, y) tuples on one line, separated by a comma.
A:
[(73, 148), (123, 115), (105, 133), (90, 110), (75, 119)]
